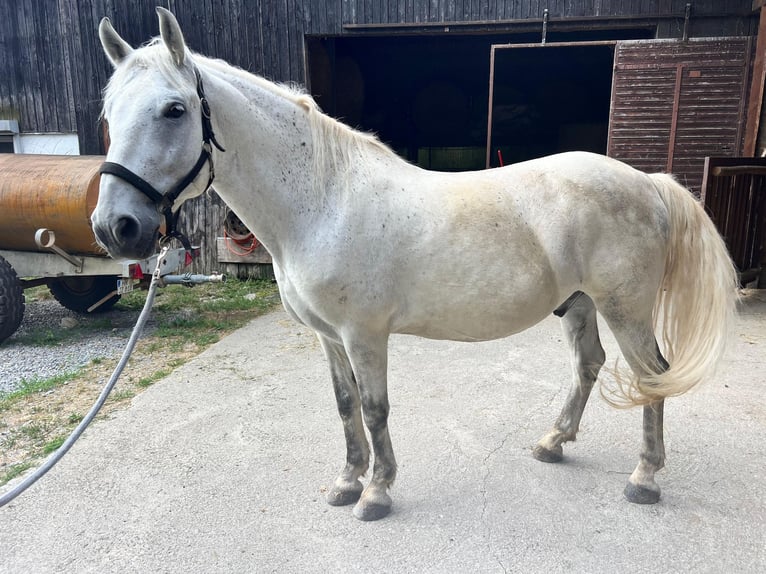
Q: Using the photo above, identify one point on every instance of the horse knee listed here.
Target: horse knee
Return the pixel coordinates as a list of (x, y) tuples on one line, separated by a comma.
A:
[(590, 363), (376, 416), (347, 401)]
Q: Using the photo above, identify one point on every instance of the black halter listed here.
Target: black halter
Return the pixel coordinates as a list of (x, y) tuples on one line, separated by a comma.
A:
[(165, 201)]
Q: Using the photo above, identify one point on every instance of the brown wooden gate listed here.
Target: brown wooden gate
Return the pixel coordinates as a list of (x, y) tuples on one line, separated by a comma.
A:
[(675, 102)]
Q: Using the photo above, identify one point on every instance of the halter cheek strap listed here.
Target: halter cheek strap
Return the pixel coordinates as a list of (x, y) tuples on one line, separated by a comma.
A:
[(165, 201)]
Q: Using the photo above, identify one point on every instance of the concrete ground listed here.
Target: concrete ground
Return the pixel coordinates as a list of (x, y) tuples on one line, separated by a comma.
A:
[(222, 467)]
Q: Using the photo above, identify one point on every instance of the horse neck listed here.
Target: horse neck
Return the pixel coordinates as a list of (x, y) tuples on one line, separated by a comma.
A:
[(265, 174)]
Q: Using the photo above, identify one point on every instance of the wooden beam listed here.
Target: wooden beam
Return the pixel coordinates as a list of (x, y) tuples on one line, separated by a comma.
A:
[(730, 170), (674, 117), (755, 101)]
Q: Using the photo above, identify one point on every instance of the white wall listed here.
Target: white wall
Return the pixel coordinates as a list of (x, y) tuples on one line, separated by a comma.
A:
[(56, 144), (48, 143)]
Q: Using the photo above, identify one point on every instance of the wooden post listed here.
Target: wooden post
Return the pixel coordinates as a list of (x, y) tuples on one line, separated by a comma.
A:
[(755, 101), (754, 111)]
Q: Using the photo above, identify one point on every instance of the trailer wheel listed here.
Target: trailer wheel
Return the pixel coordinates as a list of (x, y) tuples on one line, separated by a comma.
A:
[(11, 300), (79, 293)]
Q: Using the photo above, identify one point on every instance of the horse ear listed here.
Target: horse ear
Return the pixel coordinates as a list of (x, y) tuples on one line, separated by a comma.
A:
[(171, 35), (116, 48)]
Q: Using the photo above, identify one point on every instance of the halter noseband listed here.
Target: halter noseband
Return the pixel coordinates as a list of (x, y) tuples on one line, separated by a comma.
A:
[(165, 201)]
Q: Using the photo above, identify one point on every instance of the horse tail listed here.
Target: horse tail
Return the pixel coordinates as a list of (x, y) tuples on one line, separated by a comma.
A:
[(697, 299)]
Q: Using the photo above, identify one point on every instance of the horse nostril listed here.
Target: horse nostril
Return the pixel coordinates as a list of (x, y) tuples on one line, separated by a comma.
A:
[(127, 230)]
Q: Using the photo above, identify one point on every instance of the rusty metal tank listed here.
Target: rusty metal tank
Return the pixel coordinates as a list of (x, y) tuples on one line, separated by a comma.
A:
[(52, 191)]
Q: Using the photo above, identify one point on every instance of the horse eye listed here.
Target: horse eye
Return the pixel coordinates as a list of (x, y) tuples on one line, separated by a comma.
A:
[(175, 111)]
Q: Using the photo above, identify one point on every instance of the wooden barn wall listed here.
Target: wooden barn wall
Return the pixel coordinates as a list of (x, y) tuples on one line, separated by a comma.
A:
[(35, 75), (52, 69)]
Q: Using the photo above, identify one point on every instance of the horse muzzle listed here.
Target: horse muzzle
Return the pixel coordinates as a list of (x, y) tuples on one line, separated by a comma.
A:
[(127, 236)]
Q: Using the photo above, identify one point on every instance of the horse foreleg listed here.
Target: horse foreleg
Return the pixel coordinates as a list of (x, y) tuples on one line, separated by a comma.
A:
[(581, 331), (641, 487), (347, 487), (368, 355)]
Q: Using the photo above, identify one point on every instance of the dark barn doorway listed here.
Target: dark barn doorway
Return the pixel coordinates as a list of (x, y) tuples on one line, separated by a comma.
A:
[(548, 99), (427, 95)]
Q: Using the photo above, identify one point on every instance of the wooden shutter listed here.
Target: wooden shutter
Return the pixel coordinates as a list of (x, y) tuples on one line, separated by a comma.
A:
[(676, 102)]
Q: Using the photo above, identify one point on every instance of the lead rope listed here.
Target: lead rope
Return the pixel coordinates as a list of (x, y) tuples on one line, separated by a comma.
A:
[(64, 448)]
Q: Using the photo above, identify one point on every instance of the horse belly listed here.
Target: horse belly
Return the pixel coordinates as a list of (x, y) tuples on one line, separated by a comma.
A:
[(478, 272), (468, 326), (479, 309)]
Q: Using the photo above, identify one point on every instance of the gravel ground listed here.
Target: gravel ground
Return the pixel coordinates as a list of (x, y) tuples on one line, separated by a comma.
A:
[(21, 361)]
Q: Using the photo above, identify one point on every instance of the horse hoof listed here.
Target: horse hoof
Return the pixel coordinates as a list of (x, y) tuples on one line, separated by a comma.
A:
[(345, 494), (547, 455), (641, 494), (367, 510)]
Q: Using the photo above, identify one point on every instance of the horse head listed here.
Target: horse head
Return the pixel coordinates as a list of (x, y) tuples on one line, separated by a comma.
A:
[(160, 131)]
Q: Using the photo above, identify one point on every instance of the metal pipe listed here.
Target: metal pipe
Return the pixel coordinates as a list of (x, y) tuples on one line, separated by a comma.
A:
[(489, 105), (188, 279)]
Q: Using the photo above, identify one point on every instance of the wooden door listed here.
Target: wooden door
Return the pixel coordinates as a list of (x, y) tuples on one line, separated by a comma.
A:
[(675, 103)]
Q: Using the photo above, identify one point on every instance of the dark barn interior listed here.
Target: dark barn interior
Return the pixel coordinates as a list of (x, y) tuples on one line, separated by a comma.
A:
[(550, 100), (427, 95)]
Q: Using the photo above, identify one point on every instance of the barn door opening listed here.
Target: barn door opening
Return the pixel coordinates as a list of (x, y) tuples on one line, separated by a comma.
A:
[(675, 103), (548, 98), (426, 94)]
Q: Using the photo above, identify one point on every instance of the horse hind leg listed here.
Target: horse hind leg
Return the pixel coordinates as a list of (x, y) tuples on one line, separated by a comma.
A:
[(347, 488), (641, 487), (639, 346), (578, 320)]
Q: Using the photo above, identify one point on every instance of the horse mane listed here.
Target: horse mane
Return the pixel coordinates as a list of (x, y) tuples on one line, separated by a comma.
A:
[(336, 145)]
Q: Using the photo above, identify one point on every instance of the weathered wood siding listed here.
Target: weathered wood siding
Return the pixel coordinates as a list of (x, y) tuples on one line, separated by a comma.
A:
[(35, 72), (674, 103), (52, 69)]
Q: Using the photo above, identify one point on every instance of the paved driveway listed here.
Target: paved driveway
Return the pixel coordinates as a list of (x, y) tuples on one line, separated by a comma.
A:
[(222, 466)]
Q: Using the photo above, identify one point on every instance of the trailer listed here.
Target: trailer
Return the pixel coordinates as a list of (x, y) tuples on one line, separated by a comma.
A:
[(46, 239)]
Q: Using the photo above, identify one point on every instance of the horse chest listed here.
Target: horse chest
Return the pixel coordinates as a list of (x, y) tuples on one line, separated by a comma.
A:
[(304, 306)]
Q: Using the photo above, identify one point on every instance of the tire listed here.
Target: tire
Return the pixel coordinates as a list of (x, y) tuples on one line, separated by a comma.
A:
[(11, 300), (79, 293)]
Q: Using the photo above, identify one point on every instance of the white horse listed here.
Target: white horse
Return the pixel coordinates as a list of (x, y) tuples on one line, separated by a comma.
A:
[(365, 244)]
